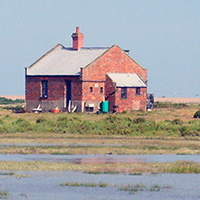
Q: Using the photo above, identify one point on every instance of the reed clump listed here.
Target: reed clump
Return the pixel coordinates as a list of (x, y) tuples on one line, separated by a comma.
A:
[(77, 184)]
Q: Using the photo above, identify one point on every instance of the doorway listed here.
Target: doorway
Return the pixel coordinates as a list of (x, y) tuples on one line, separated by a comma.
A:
[(68, 92)]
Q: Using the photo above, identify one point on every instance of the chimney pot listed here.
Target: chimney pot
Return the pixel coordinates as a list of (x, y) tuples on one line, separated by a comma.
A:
[(77, 29)]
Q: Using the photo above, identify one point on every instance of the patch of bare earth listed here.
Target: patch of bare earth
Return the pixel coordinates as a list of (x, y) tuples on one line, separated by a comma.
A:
[(186, 100)]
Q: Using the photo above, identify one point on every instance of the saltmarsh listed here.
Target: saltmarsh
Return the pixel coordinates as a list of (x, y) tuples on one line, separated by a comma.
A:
[(126, 168), (173, 121), (168, 130)]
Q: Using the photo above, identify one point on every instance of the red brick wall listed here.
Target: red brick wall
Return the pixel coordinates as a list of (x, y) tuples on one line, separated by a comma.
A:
[(96, 95), (133, 101), (115, 60), (56, 87)]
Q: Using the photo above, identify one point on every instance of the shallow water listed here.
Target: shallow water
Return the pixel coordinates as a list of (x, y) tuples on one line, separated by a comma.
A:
[(46, 186), (97, 158)]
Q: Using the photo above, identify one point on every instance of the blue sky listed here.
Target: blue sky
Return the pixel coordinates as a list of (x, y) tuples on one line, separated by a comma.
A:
[(163, 36)]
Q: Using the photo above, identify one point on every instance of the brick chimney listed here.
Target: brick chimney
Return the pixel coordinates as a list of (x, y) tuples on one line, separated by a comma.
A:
[(77, 39)]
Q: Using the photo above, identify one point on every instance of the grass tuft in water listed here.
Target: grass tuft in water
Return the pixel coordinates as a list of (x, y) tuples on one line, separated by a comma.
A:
[(132, 188), (135, 174), (7, 173), (101, 172), (76, 184), (4, 194), (155, 188)]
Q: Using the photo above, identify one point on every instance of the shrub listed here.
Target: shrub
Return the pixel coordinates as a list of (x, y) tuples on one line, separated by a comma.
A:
[(189, 131), (197, 114), (40, 120), (177, 121), (15, 109), (139, 120)]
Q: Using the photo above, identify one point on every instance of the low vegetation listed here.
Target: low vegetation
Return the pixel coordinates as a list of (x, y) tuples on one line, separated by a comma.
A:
[(174, 120), (6, 101), (158, 104), (168, 130), (76, 184), (132, 189), (4, 194), (98, 168), (197, 114)]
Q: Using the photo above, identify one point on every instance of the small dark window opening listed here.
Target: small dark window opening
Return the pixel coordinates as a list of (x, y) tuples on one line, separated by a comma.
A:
[(124, 93), (137, 91), (45, 89), (91, 89), (89, 109), (101, 89)]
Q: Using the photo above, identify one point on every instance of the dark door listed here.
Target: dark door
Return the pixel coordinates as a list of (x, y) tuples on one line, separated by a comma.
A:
[(68, 92)]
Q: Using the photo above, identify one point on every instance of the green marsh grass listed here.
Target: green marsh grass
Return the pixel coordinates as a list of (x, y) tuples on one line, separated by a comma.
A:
[(128, 124), (168, 130)]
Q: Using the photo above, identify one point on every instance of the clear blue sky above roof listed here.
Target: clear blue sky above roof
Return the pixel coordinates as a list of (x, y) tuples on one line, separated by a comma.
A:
[(163, 36)]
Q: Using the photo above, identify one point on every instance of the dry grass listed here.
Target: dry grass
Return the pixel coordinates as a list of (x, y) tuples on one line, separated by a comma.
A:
[(105, 145), (185, 113), (133, 168)]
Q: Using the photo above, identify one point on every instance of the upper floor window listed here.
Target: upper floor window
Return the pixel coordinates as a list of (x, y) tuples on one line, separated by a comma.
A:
[(137, 91), (91, 89), (124, 93), (44, 89)]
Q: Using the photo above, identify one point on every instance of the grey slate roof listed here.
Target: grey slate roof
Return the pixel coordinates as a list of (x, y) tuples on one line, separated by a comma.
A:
[(64, 61), (127, 80)]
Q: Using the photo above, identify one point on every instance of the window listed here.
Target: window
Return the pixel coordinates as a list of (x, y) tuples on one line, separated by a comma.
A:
[(91, 89), (124, 93), (89, 109), (137, 91), (44, 90), (101, 89)]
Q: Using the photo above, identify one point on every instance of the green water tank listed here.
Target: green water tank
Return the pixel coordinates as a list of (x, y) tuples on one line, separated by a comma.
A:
[(104, 106)]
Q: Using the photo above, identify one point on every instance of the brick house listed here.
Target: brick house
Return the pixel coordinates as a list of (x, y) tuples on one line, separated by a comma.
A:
[(80, 78)]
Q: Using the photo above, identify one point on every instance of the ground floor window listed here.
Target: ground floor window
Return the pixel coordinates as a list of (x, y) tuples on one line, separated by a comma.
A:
[(124, 93), (44, 89)]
